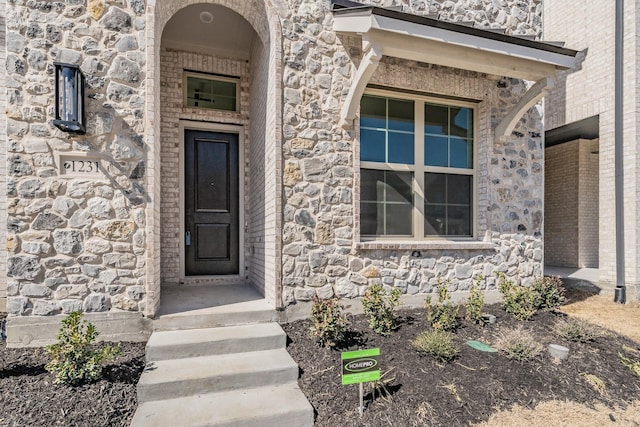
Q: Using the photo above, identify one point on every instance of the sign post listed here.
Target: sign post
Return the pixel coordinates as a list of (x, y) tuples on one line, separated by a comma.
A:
[(359, 367)]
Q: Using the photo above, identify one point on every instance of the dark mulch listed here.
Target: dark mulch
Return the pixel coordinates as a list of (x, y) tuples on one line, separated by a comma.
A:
[(28, 396), (462, 392)]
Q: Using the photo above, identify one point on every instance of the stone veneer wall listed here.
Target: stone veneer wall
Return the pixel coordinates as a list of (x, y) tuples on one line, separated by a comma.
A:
[(3, 158), (81, 244), (172, 66), (75, 244), (322, 254)]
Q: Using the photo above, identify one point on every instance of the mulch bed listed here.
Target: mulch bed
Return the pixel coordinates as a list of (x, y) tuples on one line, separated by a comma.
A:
[(28, 396), (465, 391)]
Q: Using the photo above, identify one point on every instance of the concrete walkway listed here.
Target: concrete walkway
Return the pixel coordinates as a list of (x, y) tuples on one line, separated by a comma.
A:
[(588, 278)]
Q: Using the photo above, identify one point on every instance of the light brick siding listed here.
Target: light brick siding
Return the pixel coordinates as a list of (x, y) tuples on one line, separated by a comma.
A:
[(172, 66), (589, 91), (588, 208), (571, 204), (561, 205)]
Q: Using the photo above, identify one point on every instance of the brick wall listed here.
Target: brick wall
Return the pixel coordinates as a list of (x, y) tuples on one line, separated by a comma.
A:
[(173, 64), (561, 204), (589, 91), (588, 204)]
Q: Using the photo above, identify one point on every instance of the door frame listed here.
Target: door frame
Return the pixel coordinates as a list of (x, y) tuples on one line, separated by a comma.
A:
[(223, 128)]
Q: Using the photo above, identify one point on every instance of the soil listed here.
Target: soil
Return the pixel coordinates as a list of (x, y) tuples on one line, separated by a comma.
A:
[(28, 396), (418, 391), (476, 388)]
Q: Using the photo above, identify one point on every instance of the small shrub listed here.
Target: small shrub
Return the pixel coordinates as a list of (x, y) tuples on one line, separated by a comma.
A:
[(633, 365), (443, 314), (436, 343), (379, 308), (549, 293), (518, 344), (576, 330), (519, 301), (74, 360), (329, 324), (474, 306)]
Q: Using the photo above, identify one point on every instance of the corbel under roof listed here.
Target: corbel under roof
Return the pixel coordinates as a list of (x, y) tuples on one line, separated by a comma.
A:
[(388, 32)]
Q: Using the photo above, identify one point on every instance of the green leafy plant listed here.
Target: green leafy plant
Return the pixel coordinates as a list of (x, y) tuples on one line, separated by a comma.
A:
[(329, 324), (438, 344), (518, 344), (549, 293), (474, 306), (379, 307), (595, 382), (74, 358), (633, 365), (519, 301), (576, 330), (443, 314)]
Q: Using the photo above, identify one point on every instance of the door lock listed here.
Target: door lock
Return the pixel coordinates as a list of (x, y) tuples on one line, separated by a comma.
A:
[(187, 238)]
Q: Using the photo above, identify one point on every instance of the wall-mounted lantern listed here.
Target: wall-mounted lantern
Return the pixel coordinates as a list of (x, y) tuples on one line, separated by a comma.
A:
[(69, 98)]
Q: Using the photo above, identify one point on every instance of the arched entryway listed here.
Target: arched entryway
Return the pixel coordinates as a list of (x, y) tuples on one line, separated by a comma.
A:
[(214, 94)]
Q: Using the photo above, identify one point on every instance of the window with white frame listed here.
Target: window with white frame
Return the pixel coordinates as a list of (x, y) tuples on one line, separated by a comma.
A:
[(416, 167)]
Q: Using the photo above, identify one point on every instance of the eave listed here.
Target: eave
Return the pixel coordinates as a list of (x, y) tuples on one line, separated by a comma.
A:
[(387, 32)]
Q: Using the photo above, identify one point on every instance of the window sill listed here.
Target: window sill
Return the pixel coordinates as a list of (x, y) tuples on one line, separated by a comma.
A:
[(425, 245)]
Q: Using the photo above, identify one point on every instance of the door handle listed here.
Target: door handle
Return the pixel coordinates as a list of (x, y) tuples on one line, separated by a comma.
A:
[(187, 238)]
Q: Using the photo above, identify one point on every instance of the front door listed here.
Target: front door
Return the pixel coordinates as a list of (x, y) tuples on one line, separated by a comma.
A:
[(211, 203)]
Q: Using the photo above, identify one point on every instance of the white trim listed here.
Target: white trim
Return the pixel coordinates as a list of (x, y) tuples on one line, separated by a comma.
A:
[(531, 98), (367, 67), (185, 125), (419, 168)]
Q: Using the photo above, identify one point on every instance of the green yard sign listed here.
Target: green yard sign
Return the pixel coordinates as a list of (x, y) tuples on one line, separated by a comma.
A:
[(360, 366)]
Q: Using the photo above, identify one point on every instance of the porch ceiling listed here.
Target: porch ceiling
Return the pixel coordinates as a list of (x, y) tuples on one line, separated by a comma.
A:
[(228, 34)]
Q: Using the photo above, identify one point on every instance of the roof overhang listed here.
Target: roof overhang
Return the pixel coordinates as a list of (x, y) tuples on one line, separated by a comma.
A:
[(387, 32)]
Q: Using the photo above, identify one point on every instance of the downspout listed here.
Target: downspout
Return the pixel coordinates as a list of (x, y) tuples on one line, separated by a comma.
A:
[(620, 294)]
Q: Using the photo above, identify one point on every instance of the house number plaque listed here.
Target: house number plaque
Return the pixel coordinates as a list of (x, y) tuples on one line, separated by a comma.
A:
[(80, 166)]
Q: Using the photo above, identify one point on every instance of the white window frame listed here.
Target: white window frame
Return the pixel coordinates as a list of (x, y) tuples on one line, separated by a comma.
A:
[(212, 77), (419, 168)]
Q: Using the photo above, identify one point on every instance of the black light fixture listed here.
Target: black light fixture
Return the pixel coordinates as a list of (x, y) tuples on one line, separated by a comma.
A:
[(69, 98)]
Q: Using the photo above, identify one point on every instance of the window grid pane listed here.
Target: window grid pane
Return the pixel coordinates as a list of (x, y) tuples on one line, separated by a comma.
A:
[(393, 118), (448, 205), (388, 209), (448, 136)]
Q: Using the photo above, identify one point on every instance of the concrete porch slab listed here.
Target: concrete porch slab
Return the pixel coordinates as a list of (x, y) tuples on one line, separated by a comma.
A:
[(202, 306), (588, 278)]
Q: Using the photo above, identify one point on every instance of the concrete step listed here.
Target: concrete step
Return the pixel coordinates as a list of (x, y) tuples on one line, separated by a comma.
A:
[(272, 406), (240, 313), (166, 379), (168, 345), (202, 306)]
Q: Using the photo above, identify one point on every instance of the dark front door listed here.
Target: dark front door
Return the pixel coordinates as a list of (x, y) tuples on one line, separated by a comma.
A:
[(211, 203)]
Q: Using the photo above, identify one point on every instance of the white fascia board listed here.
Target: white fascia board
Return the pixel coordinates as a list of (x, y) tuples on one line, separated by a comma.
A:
[(356, 22), (414, 41), (470, 41)]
